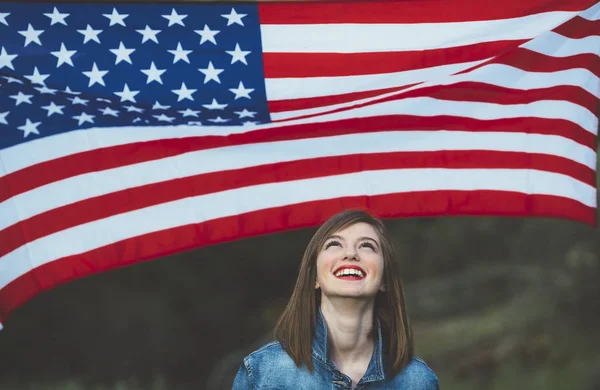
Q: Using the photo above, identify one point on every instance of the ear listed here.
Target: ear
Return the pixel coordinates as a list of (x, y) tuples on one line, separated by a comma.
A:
[(382, 287), (317, 286)]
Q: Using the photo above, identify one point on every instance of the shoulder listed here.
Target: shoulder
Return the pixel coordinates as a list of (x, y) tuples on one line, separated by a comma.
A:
[(270, 367), (267, 351), (417, 375), (269, 357)]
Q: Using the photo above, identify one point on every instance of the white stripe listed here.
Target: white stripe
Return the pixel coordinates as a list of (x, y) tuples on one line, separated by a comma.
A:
[(556, 45), (494, 74), (366, 38), (307, 87), (37, 151), (429, 107), (592, 13), (509, 77), (83, 238), (78, 188)]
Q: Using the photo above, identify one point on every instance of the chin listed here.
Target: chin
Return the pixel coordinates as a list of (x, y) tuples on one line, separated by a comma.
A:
[(354, 294)]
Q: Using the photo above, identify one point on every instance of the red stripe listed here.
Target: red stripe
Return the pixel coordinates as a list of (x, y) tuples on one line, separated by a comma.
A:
[(463, 91), (276, 106), (166, 242), (414, 11), (279, 65), (153, 194), (453, 92), (122, 155), (531, 61), (578, 28), (486, 93)]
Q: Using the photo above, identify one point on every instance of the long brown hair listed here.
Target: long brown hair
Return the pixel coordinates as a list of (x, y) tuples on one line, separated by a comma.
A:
[(295, 328)]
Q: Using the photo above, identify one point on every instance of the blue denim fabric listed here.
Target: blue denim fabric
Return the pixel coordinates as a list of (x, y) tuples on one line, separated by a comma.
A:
[(271, 368)]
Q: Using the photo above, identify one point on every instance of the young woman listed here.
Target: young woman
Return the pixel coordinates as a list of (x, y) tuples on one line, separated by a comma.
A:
[(345, 326)]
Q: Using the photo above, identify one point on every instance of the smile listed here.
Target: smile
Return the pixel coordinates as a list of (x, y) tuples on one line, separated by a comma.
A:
[(349, 273)]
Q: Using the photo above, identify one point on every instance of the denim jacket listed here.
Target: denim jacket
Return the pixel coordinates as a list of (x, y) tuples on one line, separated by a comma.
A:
[(271, 368)]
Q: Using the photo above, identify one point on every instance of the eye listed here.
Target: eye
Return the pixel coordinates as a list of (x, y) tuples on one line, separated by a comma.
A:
[(367, 244), (332, 243)]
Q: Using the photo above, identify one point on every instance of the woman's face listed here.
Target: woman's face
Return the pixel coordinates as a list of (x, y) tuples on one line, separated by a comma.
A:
[(350, 263)]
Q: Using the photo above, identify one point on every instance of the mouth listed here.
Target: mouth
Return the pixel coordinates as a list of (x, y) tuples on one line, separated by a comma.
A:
[(350, 273)]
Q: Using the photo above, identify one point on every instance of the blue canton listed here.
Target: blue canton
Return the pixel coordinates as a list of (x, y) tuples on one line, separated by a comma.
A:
[(66, 67)]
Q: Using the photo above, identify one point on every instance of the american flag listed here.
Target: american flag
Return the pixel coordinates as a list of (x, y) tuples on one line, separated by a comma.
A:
[(133, 131)]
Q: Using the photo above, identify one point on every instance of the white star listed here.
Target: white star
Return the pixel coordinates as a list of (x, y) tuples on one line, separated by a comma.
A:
[(3, 18), (20, 97), (109, 111), (126, 94), (234, 18), (53, 109), (138, 119), (104, 100), (6, 59), (68, 90), (77, 100), (89, 34), (12, 80), (57, 17), (210, 73), (207, 34), (116, 18), (164, 118), (29, 127), (153, 73), (63, 55), (241, 91), (122, 53), (31, 35), (158, 106), (238, 54), (180, 54), (175, 18), (214, 105), (148, 34), (219, 120), (245, 114), (96, 75), (36, 77), (184, 93), (84, 117), (189, 112), (3, 116), (134, 109), (45, 90)]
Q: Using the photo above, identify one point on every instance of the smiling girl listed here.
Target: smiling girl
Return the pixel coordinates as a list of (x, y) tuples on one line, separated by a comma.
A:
[(345, 326)]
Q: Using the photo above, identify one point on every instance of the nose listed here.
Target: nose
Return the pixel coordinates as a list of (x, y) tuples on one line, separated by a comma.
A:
[(350, 253)]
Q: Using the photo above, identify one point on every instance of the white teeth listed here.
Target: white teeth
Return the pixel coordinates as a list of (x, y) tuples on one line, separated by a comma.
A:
[(350, 272)]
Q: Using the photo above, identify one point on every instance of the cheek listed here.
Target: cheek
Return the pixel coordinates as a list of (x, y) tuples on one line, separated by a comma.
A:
[(325, 261), (376, 264)]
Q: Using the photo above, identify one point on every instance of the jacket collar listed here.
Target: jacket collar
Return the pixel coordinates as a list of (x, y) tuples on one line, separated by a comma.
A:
[(374, 371)]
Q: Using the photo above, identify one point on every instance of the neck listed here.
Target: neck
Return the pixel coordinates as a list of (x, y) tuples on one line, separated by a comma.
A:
[(349, 330)]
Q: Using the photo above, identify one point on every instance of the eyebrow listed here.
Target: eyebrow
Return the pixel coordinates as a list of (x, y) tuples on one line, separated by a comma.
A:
[(359, 239)]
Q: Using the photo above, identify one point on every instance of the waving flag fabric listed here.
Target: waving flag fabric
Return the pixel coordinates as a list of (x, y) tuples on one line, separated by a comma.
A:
[(133, 131)]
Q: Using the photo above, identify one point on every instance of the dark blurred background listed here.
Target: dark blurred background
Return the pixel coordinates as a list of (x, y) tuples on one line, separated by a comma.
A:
[(496, 303)]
